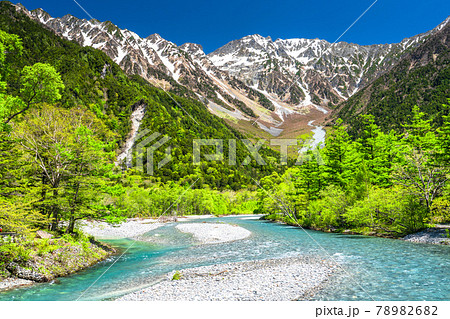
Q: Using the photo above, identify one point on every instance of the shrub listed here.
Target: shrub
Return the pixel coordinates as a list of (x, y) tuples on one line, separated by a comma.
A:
[(177, 275), (390, 210), (329, 210), (440, 211)]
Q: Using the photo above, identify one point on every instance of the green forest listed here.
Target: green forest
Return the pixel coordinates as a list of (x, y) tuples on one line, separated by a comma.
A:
[(65, 113), (63, 120), (387, 184)]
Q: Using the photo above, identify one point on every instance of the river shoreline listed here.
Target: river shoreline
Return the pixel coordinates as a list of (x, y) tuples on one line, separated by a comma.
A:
[(30, 273), (41, 267), (136, 227), (432, 235), (283, 279), (230, 270), (128, 229), (14, 283)]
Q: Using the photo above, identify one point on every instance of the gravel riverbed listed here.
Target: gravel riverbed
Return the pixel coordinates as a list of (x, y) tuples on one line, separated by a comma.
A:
[(429, 236), (271, 280), (129, 229), (10, 283), (214, 233)]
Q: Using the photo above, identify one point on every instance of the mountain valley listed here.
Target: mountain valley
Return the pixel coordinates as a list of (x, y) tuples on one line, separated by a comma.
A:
[(260, 86)]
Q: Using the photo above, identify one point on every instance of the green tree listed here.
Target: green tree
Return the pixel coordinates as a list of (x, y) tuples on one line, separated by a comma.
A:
[(67, 159), (443, 140), (328, 211), (423, 180), (420, 172), (10, 44), (341, 156), (390, 210), (89, 163), (40, 83), (19, 216), (420, 134), (379, 151), (308, 177), (278, 196)]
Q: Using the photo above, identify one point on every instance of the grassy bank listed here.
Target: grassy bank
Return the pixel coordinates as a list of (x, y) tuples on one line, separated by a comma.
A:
[(41, 260)]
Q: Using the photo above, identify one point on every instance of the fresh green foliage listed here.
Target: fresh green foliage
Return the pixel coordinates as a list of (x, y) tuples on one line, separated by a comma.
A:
[(13, 251), (67, 159), (20, 217), (138, 198), (51, 257), (177, 275), (10, 44), (380, 183), (329, 210), (440, 210), (387, 210)]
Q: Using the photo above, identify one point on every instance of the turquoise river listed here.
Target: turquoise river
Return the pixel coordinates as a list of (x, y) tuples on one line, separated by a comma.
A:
[(385, 269)]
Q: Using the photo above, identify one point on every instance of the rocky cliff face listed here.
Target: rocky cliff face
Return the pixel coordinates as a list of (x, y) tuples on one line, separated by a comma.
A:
[(156, 60)]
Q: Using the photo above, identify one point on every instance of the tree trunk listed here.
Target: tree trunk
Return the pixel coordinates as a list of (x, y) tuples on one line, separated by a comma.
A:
[(71, 225), (72, 213), (55, 212)]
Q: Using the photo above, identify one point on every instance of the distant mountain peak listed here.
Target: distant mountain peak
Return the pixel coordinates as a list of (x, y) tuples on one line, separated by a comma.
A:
[(443, 23), (192, 48), (419, 78), (154, 37)]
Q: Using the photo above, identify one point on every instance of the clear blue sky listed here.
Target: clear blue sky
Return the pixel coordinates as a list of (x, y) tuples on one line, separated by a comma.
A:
[(214, 23)]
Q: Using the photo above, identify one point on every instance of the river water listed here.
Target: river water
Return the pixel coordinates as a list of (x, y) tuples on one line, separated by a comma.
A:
[(385, 269), (317, 139)]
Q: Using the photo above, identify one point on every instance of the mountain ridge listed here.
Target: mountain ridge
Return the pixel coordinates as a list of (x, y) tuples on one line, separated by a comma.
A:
[(250, 78), (96, 83), (421, 78)]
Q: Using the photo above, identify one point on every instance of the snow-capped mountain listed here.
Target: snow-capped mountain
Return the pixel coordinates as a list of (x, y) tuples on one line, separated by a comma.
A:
[(159, 61), (253, 77), (323, 72)]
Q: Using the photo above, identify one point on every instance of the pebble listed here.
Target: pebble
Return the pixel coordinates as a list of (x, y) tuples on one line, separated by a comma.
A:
[(10, 283)]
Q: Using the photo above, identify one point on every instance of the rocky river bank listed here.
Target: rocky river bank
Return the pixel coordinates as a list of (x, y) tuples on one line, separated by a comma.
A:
[(436, 236), (43, 260)]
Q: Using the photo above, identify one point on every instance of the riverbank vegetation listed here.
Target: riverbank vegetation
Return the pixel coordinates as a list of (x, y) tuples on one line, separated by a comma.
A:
[(65, 114), (388, 184), (43, 259)]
